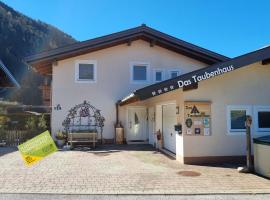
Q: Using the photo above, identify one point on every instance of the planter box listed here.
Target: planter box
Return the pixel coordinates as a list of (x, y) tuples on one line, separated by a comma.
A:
[(262, 155)]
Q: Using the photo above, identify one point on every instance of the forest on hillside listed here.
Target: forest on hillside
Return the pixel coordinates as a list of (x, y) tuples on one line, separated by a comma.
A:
[(21, 36)]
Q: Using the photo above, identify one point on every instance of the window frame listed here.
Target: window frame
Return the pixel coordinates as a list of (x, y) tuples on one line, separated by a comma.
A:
[(147, 65), (155, 70), (247, 108), (258, 108), (77, 64), (173, 70)]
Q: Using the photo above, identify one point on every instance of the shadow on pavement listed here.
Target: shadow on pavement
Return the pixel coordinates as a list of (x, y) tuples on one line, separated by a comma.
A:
[(7, 150), (115, 148)]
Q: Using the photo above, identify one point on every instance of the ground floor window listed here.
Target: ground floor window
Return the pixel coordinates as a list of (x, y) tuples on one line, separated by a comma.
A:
[(262, 118), (236, 116)]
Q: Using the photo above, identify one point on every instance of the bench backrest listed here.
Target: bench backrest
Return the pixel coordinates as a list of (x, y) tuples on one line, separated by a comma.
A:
[(81, 135)]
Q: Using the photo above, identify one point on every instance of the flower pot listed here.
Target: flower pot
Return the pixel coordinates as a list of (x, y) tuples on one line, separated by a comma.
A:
[(158, 136), (61, 143)]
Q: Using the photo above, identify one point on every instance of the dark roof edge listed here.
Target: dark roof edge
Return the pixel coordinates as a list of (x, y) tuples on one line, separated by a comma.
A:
[(46, 55), (76, 45), (189, 45)]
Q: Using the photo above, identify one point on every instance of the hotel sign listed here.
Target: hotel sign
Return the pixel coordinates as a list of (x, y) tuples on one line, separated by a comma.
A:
[(206, 75), (196, 77)]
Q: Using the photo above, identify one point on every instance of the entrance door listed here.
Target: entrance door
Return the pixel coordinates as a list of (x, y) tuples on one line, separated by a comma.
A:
[(137, 125), (168, 122)]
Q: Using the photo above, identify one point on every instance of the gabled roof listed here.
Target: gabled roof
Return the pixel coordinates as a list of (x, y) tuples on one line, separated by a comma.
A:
[(42, 61), (6, 78), (206, 73)]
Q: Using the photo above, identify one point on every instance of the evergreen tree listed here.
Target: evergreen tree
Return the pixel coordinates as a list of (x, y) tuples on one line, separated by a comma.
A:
[(21, 36)]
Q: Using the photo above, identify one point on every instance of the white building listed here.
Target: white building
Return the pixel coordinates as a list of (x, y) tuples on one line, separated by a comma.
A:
[(164, 84)]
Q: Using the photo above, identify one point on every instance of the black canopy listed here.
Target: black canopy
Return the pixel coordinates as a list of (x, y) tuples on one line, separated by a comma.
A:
[(192, 78)]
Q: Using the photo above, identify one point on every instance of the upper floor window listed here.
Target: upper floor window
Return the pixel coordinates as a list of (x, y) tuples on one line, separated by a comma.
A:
[(262, 118), (139, 72), (173, 73), (236, 117), (85, 71), (158, 75)]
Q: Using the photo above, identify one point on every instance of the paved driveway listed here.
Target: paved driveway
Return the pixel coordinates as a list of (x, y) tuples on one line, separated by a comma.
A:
[(134, 197), (120, 170)]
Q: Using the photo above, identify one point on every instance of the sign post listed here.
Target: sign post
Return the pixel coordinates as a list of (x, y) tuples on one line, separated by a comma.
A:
[(248, 143)]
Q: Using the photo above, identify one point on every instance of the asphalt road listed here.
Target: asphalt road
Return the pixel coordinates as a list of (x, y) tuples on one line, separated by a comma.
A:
[(132, 197)]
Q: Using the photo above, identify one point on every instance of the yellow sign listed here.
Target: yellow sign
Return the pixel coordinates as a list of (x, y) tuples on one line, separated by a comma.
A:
[(37, 148)]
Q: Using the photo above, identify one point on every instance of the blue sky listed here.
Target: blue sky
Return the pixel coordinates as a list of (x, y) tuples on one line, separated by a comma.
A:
[(229, 27)]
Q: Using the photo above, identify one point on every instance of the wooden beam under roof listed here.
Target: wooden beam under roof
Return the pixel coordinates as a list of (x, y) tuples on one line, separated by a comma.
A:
[(266, 61)]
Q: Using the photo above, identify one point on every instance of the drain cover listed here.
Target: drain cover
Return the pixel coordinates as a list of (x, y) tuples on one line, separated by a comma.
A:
[(189, 173)]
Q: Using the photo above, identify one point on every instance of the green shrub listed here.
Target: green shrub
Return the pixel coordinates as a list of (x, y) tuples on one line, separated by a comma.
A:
[(60, 135), (42, 124), (31, 123)]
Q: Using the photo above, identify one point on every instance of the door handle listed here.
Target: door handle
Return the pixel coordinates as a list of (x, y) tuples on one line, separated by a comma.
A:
[(130, 125), (171, 134)]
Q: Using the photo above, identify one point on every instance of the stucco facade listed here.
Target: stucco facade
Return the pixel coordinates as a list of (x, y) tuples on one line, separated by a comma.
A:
[(226, 90), (113, 80), (247, 86)]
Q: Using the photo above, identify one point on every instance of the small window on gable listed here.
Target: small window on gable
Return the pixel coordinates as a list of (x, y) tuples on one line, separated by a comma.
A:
[(236, 116), (158, 75), (85, 71), (262, 118), (173, 73), (139, 72)]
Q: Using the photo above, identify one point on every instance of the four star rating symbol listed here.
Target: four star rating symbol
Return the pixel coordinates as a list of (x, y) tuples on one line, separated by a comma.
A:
[(160, 91)]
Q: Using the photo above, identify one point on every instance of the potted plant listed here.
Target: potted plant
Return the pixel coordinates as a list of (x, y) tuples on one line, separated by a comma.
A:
[(60, 138), (158, 133)]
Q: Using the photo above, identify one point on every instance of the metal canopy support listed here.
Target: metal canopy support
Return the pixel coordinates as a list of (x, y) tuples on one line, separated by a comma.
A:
[(84, 117)]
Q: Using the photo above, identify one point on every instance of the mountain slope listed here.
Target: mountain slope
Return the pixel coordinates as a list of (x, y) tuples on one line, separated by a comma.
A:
[(21, 36)]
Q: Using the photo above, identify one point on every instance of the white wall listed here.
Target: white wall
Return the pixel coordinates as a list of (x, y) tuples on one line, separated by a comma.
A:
[(171, 97), (113, 79), (245, 86)]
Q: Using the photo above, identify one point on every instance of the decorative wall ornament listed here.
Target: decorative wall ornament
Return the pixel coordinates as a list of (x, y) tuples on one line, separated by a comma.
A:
[(84, 117), (57, 107), (189, 122), (136, 119), (177, 110)]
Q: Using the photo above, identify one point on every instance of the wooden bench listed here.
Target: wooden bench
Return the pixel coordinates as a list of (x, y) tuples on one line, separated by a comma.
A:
[(76, 137)]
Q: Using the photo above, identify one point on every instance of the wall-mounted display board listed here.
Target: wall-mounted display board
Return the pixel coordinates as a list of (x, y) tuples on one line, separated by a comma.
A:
[(197, 118)]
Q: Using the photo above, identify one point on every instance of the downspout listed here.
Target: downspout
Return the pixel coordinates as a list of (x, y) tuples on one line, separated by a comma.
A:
[(117, 124), (119, 131)]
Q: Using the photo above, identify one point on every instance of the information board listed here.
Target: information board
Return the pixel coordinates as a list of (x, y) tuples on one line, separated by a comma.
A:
[(37, 148), (197, 118)]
